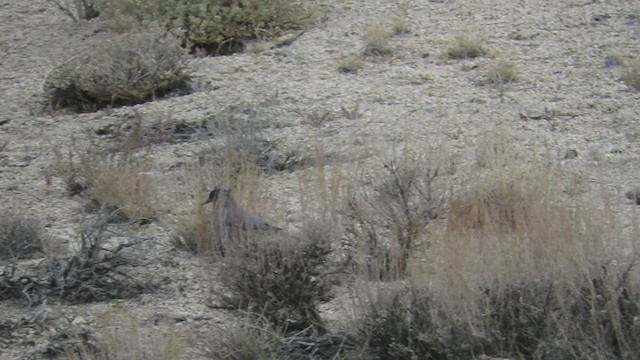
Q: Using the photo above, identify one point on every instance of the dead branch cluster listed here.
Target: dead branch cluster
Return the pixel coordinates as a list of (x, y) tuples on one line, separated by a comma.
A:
[(96, 271)]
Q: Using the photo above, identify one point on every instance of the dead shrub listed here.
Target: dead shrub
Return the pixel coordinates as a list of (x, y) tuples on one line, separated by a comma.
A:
[(78, 9), (128, 69), (388, 220), (20, 236), (125, 188), (140, 132), (99, 268)]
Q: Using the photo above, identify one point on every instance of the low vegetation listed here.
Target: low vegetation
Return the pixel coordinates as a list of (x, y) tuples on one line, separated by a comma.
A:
[(119, 185), (127, 69), (20, 236), (214, 27), (351, 64), (78, 9), (122, 337), (501, 72), (466, 46), (282, 279), (631, 74), (388, 221), (377, 41), (97, 269)]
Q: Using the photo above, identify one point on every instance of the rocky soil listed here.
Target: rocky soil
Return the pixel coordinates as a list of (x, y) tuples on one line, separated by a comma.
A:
[(567, 107)]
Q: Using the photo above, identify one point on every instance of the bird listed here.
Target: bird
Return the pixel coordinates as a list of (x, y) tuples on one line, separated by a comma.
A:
[(232, 218)]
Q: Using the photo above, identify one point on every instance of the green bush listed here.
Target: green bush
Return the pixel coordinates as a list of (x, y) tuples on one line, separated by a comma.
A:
[(128, 69), (216, 26), (282, 279)]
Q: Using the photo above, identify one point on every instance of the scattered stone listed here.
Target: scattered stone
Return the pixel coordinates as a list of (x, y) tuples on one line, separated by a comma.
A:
[(571, 154), (634, 195)]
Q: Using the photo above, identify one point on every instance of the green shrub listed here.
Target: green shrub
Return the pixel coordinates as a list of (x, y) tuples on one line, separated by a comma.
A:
[(125, 70), (282, 279), (217, 26), (19, 236)]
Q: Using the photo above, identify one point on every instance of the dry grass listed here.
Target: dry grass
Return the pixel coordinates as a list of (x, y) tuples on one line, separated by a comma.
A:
[(20, 236), (519, 270), (377, 41), (199, 230), (351, 64), (123, 338), (130, 189), (121, 184), (501, 72), (466, 46), (631, 74), (401, 26)]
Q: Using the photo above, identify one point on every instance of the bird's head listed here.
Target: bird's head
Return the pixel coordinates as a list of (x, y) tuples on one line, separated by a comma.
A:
[(216, 194)]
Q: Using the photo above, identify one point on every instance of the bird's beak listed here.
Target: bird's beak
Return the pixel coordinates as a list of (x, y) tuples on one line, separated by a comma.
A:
[(206, 202)]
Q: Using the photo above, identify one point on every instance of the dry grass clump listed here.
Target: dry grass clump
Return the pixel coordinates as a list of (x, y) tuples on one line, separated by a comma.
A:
[(520, 273), (377, 41), (20, 236), (209, 26), (466, 46), (631, 74), (401, 26), (252, 339), (119, 184), (127, 69), (125, 187), (122, 338), (502, 205), (351, 64), (246, 341), (501, 72)]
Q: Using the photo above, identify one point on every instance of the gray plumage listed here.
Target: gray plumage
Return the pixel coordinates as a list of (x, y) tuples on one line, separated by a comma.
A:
[(232, 217)]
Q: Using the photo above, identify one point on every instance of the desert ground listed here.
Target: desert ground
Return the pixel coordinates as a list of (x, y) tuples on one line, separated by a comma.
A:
[(567, 107)]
